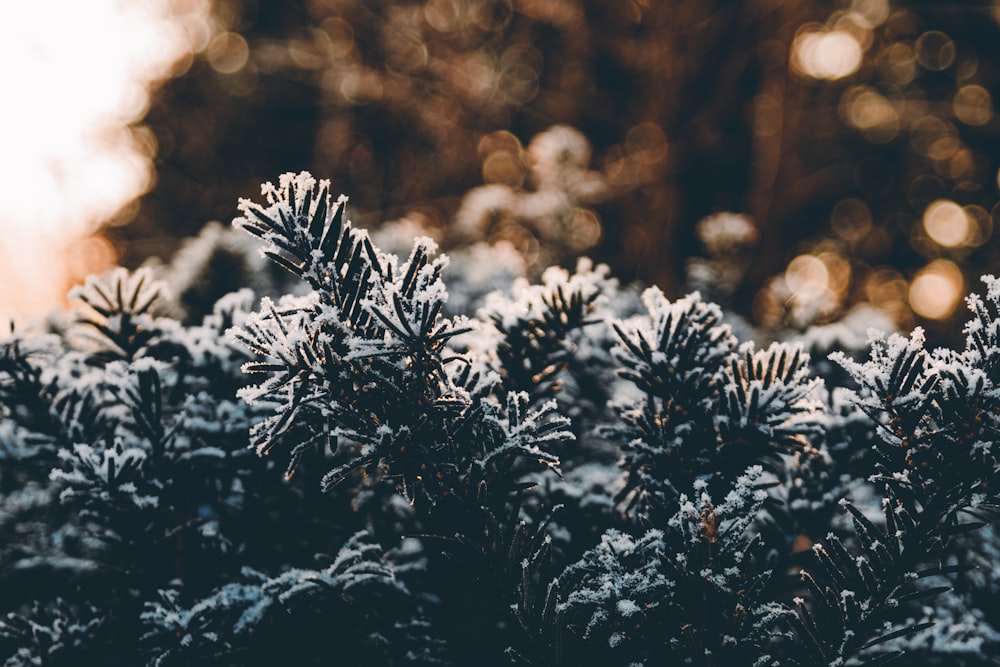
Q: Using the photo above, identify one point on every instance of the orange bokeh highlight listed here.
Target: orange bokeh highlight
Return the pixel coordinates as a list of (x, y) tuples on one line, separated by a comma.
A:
[(72, 158), (936, 290)]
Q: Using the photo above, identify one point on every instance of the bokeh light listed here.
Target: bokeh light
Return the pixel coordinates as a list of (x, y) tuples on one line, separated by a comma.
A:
[(872, 12), (936, 290), (227, 53), (807, 278), (76, 76), (934, 138), (872, 113), (947, 223), (973, 105), (980, 227), (897, 63), (935, 50), (888, 290), (830, 55)]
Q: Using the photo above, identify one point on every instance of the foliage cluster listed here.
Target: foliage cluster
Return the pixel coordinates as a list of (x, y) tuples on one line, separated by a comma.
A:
[(567, 473)]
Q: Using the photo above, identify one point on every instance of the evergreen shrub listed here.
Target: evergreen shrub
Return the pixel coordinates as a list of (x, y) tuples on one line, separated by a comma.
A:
[(341, 468)]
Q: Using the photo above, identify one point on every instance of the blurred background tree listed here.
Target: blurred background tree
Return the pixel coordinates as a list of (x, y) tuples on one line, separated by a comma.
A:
[(858, 137)]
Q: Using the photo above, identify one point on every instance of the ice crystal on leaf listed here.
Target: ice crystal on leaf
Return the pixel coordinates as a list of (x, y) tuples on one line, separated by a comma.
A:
[(535, 325), (300, 224), (276, 615)]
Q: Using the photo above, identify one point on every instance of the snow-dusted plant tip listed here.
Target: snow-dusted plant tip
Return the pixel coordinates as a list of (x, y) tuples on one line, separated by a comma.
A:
[(572, 476), (369, 365)]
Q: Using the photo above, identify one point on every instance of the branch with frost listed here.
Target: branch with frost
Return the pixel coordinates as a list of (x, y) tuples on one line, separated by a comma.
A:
[(708, 408), (689, 592), (938, 475)]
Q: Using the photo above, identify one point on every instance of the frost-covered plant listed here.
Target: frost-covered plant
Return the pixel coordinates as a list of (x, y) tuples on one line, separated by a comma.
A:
[(687, 593), (708, 407), (934, 468), (300, 612), (364, 358), (570, 476)]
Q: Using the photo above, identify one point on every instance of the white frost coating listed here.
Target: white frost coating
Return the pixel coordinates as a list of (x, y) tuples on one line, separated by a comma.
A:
[(628, 608), (621, 577), (992, 287), (107, 472)]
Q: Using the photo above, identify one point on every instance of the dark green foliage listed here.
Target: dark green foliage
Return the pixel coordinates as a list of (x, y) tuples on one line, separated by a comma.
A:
[(688, 593), (53, 634), (358, 603), (707, 410), (534, 344), (937, 474), (558, 482), (121, 304)]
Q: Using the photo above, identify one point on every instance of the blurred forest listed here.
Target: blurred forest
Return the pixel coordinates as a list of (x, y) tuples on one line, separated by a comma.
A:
[(858, 139)]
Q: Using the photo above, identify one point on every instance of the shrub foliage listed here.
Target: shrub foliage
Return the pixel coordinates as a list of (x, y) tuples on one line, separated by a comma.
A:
[(570, 475)]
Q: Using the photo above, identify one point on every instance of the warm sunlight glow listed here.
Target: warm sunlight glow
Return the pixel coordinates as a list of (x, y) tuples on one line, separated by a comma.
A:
[(870, 112), (76, 75), (936, 290), (807, 277), (947, 223), (827, 55), (872, 12)]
